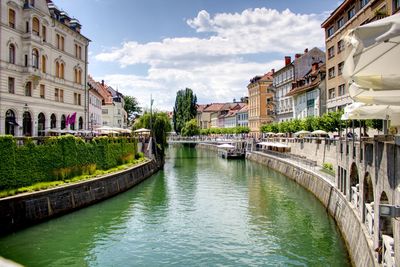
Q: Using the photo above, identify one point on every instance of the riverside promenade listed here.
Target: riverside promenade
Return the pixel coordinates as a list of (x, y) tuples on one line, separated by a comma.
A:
[(365, 176)]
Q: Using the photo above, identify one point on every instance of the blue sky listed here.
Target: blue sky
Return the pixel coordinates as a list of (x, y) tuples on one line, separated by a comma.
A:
[(156, 47)]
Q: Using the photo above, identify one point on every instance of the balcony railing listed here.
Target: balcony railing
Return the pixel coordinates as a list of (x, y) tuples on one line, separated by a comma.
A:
[(388, 251), (369, 217)]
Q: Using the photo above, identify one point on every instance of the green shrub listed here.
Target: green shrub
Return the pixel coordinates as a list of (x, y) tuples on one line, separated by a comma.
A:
[(59, 158)]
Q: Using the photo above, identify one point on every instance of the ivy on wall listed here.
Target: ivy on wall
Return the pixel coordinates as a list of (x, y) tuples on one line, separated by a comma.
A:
[(59, 158)]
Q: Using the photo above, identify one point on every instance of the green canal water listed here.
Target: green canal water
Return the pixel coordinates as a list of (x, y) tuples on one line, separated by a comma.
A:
[(200, 210)]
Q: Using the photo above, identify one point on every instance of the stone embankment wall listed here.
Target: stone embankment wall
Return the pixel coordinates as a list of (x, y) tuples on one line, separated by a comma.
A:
[(353, 230), (27, 209)]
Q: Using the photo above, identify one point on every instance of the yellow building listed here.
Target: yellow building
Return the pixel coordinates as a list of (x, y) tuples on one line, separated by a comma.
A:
[(350, 14), (260, 106)]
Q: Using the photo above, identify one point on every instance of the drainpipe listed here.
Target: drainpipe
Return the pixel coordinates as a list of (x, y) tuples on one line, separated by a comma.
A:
[(86, 89)]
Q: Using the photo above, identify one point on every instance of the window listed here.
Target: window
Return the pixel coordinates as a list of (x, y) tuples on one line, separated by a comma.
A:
[(331, 93), (340, 68), (57, 95), (44, 64), (330, 31), (42, 91), (331, 73), (77, 99), (57, 69), (351, 13), (11, 18), (44, 33), (28, 89), (341, 90), (26, 60), (35, 58), (62, 43), (78, 76), (340, 23), (35, 26), (61, 95), (78, 51), (62, 70), (331, 52), (58, 41), (11, 85), (11, 51), (340, 46), (363, 3), (396, 5), (104, 111)]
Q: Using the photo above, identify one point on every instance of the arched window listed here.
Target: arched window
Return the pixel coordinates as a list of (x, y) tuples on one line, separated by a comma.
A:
[(63, 123), (27, 124), (62, 70), (35, 26), (10, 122), (57, 69), (35, 58), (11, 18), (28, 89), (44, 64), (80, 123), (78, 76), (11, 52), (41, 124), (53, 121)]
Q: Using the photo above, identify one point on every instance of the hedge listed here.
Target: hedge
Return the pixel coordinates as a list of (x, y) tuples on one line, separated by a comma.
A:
[(59, 158)]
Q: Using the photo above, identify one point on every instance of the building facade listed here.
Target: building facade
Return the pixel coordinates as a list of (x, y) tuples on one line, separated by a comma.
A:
[(260, 107), (43, 69), (309, 93), (95, 105), (243, 116), (348, 15), (282, 82)]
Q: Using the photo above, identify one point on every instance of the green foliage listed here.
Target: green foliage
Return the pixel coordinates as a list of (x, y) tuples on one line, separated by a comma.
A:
[(328, 166), (161, 126), (59, 158), (234, 130), (190, 128), (131, 107), (329, 122), (185, 108)]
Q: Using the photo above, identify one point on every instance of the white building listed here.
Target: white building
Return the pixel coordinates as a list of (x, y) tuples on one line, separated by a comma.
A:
[(95, 105), (43, 68), (115, 115), (243, 116)]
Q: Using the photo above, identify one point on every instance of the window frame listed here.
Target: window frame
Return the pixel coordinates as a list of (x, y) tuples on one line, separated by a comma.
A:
[(11, 18)]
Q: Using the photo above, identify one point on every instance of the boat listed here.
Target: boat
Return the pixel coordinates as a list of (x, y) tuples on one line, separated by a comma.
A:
[(227, 151)]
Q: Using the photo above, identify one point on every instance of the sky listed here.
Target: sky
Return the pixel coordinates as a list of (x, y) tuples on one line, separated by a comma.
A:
[(154, 48)]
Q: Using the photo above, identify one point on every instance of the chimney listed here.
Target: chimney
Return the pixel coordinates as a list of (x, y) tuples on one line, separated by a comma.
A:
[(102, 82), (273, 71), (306, 51), (314, 66), (297, 56), (288, 59)]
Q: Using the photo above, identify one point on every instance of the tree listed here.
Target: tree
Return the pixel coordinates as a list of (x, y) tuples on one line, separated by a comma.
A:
[(131, 107), (161, 126), (185, 108), (191, 128)]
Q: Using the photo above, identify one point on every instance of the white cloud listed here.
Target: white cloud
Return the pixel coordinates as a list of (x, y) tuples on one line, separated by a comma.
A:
[(214, 66)]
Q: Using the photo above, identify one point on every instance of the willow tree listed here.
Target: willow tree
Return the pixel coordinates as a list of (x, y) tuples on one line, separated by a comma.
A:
[(184, 109)]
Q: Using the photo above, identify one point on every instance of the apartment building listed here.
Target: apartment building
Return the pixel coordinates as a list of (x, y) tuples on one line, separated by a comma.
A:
[(260, 105), (95, 104), (350, 14), (43, 67)]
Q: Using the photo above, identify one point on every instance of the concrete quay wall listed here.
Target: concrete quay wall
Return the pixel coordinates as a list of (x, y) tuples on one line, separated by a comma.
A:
[(23, 210), (354, 232)]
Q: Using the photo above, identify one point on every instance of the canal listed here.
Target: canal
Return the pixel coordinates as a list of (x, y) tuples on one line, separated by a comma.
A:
[(199, 211)]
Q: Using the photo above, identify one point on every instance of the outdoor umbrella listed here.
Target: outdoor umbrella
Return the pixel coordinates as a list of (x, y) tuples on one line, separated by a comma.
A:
[(142, 130), (302, 132), (373, 65), (225, 146), (361, 111), (319, 132)]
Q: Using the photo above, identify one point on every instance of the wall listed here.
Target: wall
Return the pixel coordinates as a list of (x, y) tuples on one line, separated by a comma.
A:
[(27, 209), (353, 230)]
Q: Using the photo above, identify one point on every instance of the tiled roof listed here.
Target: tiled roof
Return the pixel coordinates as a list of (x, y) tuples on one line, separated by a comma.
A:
[(214, 107), (200, 107), (309, 86)]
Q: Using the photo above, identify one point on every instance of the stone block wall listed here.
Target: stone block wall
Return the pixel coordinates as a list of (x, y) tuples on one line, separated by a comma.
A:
[(27, 209)]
